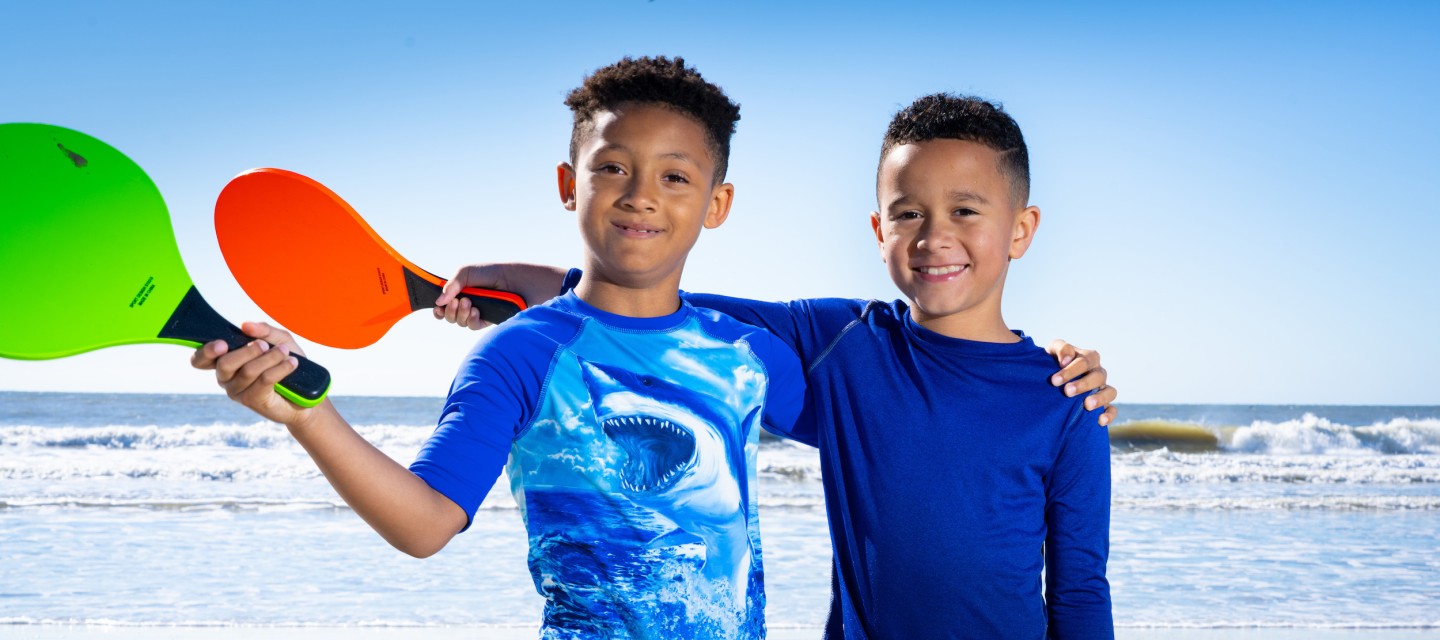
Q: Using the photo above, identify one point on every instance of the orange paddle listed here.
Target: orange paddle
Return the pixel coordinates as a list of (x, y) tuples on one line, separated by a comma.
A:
[(335, 281)]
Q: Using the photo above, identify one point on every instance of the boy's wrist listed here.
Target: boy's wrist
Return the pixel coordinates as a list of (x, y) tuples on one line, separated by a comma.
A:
[(307, 420)]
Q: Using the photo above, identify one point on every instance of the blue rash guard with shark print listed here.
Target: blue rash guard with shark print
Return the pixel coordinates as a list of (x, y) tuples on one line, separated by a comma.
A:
[(630, 447)]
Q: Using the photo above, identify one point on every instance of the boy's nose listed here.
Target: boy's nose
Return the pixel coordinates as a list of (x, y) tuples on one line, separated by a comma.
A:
[(640, 197), (935, 237)]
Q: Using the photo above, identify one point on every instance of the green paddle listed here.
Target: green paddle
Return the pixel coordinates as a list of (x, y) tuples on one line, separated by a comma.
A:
[(75, 211)]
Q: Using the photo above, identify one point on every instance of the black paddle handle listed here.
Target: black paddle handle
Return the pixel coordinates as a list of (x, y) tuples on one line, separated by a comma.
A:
[(424, 293), (196, 321)]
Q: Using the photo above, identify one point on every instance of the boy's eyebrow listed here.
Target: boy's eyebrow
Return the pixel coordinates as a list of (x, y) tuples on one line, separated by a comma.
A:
[(954, 195), (678, 155), (960, 194)]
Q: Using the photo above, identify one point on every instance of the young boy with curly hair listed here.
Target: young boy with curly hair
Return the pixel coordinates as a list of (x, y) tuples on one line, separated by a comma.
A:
[(627, 419), (954, 473)]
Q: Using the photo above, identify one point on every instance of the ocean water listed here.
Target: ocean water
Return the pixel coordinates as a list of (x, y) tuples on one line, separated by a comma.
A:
[(156, 510)]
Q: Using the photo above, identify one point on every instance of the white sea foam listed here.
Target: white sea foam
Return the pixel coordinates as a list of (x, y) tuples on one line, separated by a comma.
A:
[(258, 435), (1315, 435), (234, 504), (235, 465), (259, 628), (1343, 625), (1166, 467), (1280, 503)]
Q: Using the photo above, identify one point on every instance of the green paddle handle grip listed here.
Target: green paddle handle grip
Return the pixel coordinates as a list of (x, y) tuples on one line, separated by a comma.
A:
[(306, 386), (197, 323)]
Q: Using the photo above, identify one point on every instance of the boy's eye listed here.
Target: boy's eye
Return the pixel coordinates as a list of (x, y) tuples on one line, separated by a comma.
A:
[(966, 212), (907, 215), (677, 178), (609, 168)]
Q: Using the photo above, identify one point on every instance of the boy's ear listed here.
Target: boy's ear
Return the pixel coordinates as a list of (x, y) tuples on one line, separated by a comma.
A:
[(720, 200), (565, 176), (879, 235), (1026, 223)]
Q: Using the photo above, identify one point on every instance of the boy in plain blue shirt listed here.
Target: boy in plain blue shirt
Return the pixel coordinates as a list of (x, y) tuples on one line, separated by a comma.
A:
[(953, 472)]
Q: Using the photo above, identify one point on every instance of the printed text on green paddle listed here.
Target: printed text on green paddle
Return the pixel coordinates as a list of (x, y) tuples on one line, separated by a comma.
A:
[(78, 218)]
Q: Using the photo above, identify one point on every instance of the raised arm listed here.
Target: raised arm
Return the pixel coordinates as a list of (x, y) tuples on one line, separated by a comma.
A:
[(1080, 371), (401, 507), (536, 283)]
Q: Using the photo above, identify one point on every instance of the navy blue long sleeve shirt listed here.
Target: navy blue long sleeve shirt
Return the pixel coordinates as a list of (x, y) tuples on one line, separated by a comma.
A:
[(953, 473)]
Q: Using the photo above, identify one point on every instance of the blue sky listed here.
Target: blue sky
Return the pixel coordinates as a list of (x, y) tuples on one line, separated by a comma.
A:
[(1238, 203)]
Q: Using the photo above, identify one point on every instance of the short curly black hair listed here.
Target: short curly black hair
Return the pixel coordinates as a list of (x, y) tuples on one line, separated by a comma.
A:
[(960, 117), (662, 81)]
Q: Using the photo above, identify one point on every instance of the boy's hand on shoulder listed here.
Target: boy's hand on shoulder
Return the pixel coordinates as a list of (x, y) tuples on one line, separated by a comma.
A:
[(534, 282), (1081, 373), (249, 374)]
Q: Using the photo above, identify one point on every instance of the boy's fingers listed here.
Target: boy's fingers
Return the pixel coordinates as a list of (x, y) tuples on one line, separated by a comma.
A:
[(1107, 417), (261, 391), (453, 287), (274, 336), (1063, 351), (459, 311), (1070, 373), (229, 364), (1104, 396), (1087, 382), (475, 275), (447, 293), (207, 354), (251, 371), (273, 375), (263, 331)]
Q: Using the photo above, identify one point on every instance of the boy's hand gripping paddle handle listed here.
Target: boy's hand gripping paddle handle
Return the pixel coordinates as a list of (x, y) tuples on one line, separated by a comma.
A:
[(195, 321), (495, 306)]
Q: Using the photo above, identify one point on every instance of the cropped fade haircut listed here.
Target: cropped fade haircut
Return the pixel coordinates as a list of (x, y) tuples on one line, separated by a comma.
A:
[(661, 81), (958, 117)]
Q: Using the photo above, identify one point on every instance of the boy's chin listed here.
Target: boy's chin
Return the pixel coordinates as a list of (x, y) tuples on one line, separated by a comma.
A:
[(937, 307)]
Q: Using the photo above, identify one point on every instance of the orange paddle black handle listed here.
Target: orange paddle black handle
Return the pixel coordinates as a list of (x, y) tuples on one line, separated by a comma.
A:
[(495, 306), (195, 321)]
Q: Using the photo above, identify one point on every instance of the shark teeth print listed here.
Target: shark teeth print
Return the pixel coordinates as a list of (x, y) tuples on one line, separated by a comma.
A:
[(656, 451)]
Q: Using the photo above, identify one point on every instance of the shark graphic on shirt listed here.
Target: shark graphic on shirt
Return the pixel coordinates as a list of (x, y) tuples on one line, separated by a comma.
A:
[(684, 459)]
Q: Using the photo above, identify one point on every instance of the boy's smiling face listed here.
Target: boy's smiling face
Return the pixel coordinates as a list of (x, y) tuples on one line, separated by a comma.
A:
[(642, 184), (947, 230)]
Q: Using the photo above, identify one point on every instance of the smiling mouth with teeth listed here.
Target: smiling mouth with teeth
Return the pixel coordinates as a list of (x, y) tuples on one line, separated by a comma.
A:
[(656, 451), (630, 229), (942, 271)]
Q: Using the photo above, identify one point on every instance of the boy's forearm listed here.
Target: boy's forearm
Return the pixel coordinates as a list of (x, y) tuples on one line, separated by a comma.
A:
[(401, 507)]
